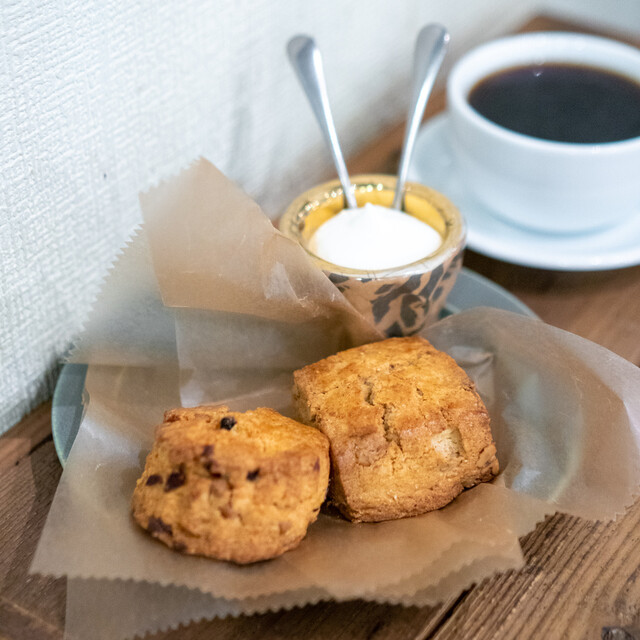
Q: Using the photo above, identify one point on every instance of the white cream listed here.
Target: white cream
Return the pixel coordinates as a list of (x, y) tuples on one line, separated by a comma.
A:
[(373, 237)]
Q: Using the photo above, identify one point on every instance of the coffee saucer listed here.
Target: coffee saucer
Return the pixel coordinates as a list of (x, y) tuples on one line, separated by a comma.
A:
[(433, 165)]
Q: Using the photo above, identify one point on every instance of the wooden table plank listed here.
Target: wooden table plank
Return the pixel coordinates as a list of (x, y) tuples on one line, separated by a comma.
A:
[(580, 576), (25, 437), (26, 492), (20, 623)]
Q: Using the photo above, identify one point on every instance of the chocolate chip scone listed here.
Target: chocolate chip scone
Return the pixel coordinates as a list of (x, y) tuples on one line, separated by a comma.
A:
[(408, 431), (234, 486)]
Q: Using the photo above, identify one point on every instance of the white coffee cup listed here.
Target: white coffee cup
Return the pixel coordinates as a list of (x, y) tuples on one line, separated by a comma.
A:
[(545, 185)]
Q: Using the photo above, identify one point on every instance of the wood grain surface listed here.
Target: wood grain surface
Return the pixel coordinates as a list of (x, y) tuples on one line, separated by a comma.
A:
[(581, 579)]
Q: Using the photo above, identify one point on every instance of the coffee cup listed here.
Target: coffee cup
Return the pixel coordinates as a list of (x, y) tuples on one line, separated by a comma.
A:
[(548, 185)]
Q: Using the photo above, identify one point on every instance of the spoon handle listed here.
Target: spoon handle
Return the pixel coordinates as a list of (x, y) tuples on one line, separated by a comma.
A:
[(305, 58), (431, 47)]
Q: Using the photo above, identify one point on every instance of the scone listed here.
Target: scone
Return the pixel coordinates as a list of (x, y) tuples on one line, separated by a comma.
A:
[(408, 431), (234, 486)]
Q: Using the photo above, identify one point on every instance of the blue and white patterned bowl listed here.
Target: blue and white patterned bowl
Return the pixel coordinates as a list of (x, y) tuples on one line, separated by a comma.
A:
[(402, 300)]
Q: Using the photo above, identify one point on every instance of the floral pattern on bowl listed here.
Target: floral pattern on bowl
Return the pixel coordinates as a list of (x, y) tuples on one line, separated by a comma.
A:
[(404, 305)]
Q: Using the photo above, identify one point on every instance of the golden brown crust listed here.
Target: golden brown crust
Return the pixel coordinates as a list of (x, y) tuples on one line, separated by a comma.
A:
[(408, 430), (235, 486)]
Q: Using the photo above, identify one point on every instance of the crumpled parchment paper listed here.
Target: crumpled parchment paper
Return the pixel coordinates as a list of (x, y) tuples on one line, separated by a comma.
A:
[(210, 303)]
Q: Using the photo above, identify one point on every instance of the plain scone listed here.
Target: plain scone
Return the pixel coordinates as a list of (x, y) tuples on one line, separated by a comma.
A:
[(234, 486), (407, 428)]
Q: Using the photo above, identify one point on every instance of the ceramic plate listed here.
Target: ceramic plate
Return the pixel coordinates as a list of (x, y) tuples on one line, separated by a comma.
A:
[(433, 165), (70, 399)]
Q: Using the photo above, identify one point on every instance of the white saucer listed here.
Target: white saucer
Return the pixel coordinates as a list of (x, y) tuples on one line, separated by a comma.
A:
[(433, 165)]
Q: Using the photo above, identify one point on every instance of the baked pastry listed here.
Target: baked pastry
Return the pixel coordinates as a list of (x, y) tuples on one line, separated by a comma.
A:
[(235, 486), (408, 431)]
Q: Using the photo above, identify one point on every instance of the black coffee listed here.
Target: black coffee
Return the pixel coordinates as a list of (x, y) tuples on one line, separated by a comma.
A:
[(561, 102)]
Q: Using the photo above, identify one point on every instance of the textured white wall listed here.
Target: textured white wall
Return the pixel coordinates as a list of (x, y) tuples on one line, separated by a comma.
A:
[(100, 99)]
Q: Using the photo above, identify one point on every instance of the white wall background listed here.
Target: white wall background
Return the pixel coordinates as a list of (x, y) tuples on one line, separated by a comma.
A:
[(99, 99)]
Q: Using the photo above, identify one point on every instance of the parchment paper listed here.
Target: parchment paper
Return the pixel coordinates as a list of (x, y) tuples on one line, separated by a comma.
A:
[(228, 308)]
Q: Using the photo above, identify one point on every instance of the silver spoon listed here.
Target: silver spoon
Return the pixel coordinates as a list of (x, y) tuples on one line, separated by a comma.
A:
[(305, 58), (431, 47)]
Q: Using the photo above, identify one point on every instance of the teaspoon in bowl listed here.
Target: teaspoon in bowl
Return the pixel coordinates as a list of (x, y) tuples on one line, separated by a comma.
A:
[(431, 47), (305, 58)]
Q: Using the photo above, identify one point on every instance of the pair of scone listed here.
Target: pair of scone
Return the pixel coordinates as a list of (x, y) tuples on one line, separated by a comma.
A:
[(401, 423)]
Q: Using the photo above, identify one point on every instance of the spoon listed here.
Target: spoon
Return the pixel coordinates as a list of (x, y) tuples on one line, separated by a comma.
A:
[(431, 47), (305, 58)]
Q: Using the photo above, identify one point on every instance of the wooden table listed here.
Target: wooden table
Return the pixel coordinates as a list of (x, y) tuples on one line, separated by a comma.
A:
[(581, 579)]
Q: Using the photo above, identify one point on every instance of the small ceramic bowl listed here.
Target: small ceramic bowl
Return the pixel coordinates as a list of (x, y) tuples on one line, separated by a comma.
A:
[(402, 300)]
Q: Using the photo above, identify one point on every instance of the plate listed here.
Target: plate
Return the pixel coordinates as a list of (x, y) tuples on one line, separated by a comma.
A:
[(67, 409), (70, 398), (433, 164)]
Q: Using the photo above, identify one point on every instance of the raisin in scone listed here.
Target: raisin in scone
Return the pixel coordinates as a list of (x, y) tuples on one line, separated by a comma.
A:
[(234, 486), (408, 431)]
